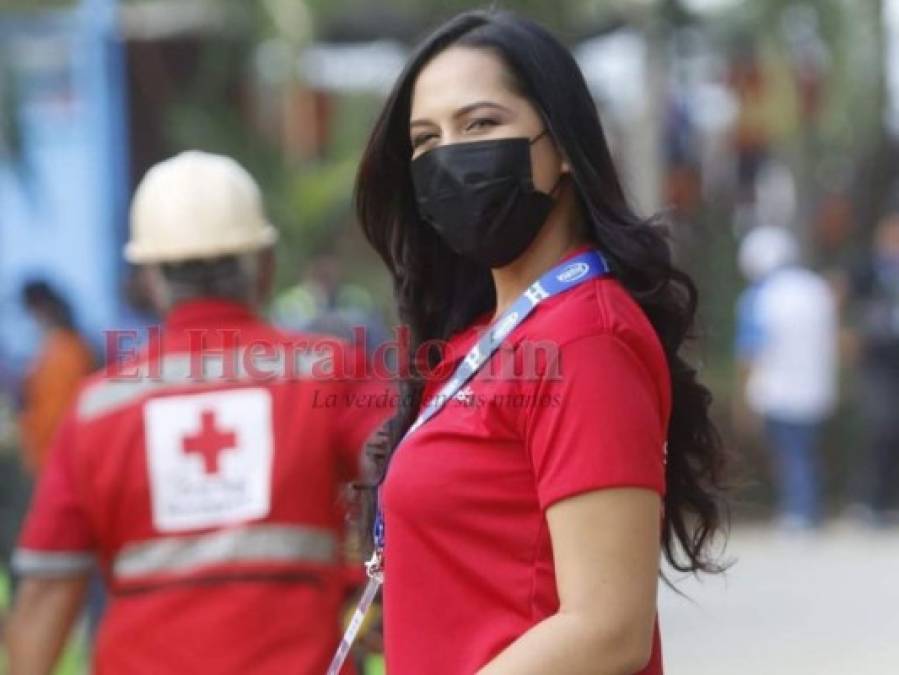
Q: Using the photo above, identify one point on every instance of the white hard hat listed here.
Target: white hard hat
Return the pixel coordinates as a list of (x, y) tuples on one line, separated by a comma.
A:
[(765, 249), (196, 205)]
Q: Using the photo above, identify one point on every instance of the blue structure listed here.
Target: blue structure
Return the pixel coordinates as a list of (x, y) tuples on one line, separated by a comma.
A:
[(63, 168)]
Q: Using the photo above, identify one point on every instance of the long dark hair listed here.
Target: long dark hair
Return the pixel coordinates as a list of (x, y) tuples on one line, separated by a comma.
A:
[(439, 293)]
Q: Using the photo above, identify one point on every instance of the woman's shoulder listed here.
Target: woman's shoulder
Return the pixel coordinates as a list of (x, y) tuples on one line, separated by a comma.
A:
[(602, 329), (598, 307), (604, 312)]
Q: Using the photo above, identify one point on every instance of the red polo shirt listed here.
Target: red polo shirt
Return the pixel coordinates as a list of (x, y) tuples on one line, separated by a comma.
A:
[(577, 400), (205, 479)]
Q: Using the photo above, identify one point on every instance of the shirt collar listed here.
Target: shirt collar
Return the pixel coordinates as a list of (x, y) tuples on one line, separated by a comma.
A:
[(206, 312), (459, 344)]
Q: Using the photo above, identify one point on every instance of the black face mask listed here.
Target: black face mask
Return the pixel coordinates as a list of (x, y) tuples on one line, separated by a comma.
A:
[(480, 198)]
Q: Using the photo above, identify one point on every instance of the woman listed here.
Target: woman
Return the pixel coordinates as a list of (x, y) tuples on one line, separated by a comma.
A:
[(524, 520)]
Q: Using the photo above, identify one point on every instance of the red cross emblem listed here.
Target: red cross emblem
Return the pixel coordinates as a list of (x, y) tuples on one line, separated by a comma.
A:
[(209, 442)]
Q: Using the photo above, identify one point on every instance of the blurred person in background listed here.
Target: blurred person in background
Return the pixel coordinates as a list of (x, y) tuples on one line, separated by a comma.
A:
[(63, 361), (209, 497), (48, 390), (787, 335), (874, 303)]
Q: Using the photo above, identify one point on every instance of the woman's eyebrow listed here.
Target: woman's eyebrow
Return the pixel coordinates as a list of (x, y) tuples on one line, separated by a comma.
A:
[(478, 104), (463, 111)]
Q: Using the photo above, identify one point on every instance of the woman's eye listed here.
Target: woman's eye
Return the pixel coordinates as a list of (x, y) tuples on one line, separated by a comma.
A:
[(481, 123), (420, 139)]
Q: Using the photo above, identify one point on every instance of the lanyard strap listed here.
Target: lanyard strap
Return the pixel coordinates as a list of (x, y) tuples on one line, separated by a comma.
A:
[(375, 579), (563, 277)]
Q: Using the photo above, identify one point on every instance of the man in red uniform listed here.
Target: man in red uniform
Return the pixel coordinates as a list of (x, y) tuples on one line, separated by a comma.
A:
[(204, 475)]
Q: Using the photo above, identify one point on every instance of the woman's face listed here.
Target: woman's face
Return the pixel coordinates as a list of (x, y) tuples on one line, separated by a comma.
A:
[(464, 94)]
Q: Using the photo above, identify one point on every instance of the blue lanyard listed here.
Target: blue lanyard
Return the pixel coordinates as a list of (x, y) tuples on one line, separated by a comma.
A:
[(562, 277)]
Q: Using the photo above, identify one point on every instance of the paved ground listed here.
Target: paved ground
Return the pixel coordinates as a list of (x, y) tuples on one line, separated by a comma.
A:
[(824, 604)]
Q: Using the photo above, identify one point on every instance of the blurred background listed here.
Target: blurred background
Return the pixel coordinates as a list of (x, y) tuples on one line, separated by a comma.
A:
[(727, 117)]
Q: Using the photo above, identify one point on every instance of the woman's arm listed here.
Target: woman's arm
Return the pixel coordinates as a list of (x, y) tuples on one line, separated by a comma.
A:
[(606, 548)]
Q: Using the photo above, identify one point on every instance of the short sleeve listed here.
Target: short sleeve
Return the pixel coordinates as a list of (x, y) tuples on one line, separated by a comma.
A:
[(597, 420), (56, 538)]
